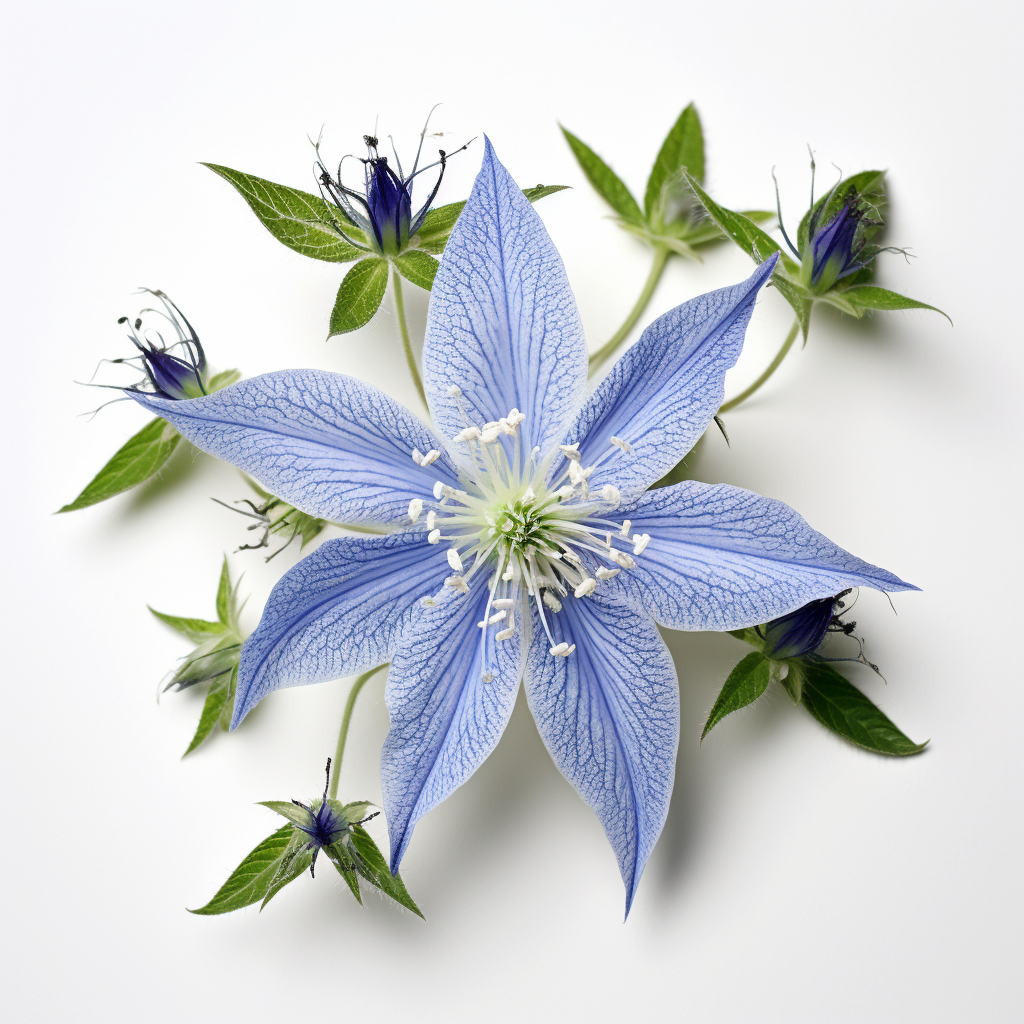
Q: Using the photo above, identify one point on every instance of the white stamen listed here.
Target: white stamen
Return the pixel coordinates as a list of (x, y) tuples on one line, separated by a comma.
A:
[(604, 573), (453, 559), (434, 536), (505, 634), (508, 574), (610, 493), (619, 443), (490, 434), (552, 602), (417, 456), (455, 391), (588, 471), (640, 542), (469, 434), (432, 456), (438, 490), (626, 524), (457, 583), (497, 617), (503, 602), (588, 586), (529, 494), (565, 492), (415, 508), (562, 650), (431, 518), (622, 559), (571, 556), (575, 473), (570, 451)]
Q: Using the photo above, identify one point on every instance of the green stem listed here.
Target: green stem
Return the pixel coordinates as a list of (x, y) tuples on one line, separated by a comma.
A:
[(661, 255), (339, 751), (772, 367), (410, 359)]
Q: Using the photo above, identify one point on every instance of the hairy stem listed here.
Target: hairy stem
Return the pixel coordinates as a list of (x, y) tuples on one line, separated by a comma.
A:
[(410, 359), (661, 255), (772, 367), (350, 704)]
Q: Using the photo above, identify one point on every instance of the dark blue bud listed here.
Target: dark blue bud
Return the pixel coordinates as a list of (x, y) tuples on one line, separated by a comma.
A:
[(835, 249), (389, 205), (798, 633)]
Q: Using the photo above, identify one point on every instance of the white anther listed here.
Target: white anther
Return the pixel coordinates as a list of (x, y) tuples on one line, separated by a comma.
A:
[(588, 586), (415, 508), (619, 443), (457, 583), (610, 493), (508, 574), (455, 391), (570, 451), (453, 559), (427, 602), (490, 434), (529, 494), (620, 558), (503, 602), (507, 525), (626, 524), (575, 473), (469, 434), (571, 556), (438, 490), (496, 617), (562, 650), (434, 536), (588, 471), (640, 541), (487, 677), (417, 456), (552, 602), (431, 519), (505, 634), (604, 573), (565, 492), (432, 456)]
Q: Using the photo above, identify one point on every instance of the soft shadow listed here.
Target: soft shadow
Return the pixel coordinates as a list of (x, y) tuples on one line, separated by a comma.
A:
[(171, 476)]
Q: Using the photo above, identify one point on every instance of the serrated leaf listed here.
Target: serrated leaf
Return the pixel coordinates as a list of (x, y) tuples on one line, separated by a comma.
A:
[(869, 296), (370, 863), (196, 630), (224, 594), (683, 147), (138, 459), (838, 705), (417, 267), (249, 882), (302, 221), (294, 861), (218, 699), (359, 296), (605, 181), (746, 682)]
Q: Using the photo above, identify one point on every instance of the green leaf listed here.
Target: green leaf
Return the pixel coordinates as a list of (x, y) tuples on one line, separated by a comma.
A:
[(359, 296), (221, 380), (683, 147), (224, 595), (440, 221), (540, 191), (607, 183), (250, 881), (417, 267), (287, 809), (371, 865), (301, 221), (795, 295), (868, 296), (757, 244), (296, 858), (746, 682), (139, 458), (197, 630), (841, 707), (218, 700)]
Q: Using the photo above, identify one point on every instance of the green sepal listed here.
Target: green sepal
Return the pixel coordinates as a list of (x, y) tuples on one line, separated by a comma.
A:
[(221, 380), (302, 221), (224, 594), (417, 267), (605, 181), (862, 297), (793, 681), (196, 630), (746, 682), (217, 707), (287, 809), (294, 861), (370, 863), (342, 860), (683, 147), (249, 882), (359, 296), (748, 636), (839, 706), (138, 459)]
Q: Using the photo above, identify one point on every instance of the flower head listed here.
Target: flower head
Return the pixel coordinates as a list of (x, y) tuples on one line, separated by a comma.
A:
[(525, 543), (175, 375), (324, 821)]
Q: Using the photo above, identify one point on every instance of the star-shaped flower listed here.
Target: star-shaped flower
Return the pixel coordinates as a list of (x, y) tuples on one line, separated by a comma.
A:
[(523, 544)]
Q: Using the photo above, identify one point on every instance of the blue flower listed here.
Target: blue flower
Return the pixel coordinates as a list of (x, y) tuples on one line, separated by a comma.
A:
[(170, 376), (323, 823), (523, 543)]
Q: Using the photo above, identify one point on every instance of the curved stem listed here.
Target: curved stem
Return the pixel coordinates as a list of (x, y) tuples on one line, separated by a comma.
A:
[(661, 255), (772, 367), (346, 717), (410, 359)]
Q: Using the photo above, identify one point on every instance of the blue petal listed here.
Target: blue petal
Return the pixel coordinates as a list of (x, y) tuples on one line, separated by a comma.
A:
[(503, 324), (445, 719), (340, 611), (665, 390), (328, 444), (609, 716), (722, 557)]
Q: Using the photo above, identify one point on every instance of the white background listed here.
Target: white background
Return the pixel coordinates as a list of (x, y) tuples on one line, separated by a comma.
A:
[(798, 879)]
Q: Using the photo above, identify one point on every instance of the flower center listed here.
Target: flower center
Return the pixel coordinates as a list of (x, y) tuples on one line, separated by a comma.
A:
[(542, 536)]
